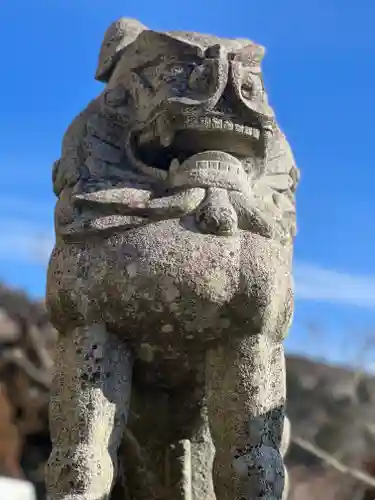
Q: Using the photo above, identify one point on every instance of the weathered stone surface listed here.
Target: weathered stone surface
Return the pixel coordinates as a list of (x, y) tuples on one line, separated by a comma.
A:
[(170, 281)]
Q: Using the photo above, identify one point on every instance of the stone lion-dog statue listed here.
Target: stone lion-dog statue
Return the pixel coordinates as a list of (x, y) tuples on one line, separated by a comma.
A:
[(170, 279)]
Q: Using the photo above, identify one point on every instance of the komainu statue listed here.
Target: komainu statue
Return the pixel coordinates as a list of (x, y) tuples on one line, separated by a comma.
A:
[(170, 280)]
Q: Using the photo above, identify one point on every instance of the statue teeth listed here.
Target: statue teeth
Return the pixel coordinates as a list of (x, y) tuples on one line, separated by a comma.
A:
[(206, 122), (228, 125), (161, 129), (190, 120), (215, 123), (239, 128)]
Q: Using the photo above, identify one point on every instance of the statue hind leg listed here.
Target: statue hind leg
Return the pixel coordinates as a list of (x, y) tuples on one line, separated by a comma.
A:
[(170, 423), (88, 413), (192, 441), (246, 399)]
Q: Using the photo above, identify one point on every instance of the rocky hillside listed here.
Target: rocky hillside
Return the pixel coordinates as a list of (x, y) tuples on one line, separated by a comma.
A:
[(26, 359), (331, 408)]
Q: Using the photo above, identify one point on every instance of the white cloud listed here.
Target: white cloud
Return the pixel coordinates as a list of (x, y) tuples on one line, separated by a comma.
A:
[(24, 241), (26, 230), (313, 282)]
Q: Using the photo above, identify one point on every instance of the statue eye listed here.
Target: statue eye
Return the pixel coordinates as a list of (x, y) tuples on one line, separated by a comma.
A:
[(177, 71), (200, 78), (175, 75), (178, 76), (247, 90)]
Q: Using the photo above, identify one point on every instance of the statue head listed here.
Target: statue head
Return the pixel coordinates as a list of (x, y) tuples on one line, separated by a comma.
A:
[(179, 94)]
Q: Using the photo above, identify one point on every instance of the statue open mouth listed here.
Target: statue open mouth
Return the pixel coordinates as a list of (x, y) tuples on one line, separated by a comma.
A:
[(164, 140)]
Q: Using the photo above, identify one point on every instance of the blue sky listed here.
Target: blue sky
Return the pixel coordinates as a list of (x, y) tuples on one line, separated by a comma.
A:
[(320, 75)]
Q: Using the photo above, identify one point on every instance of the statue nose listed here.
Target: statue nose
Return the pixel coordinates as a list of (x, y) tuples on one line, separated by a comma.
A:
[(202, 78), (212, 73), (206, 81), (213, 78)]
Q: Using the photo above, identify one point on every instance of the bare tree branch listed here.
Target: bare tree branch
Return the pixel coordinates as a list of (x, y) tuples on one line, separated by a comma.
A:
[(333, 462), (15, 356)]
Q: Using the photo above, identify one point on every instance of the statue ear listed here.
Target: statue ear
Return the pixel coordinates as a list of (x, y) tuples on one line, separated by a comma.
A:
[(118, 36), (251, 54)]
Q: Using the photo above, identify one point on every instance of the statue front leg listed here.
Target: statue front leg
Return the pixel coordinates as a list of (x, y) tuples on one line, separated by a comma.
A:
[(88, 413), (246, 398)]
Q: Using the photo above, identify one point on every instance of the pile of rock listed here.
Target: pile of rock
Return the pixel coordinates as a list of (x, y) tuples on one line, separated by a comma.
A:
[(26, 360)]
